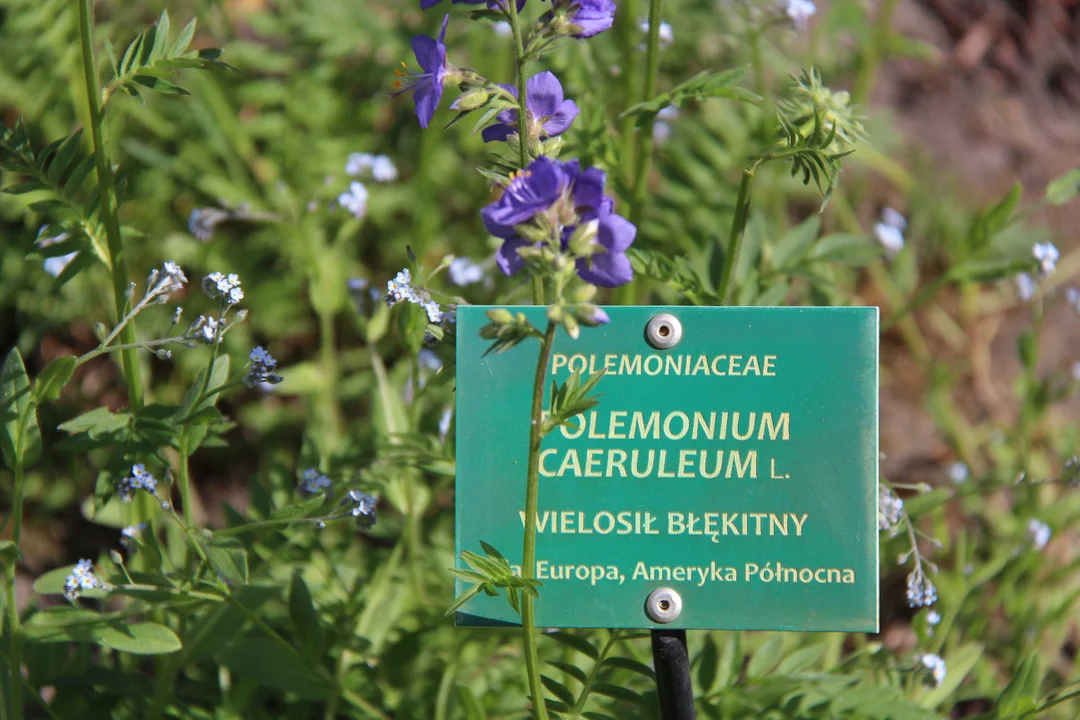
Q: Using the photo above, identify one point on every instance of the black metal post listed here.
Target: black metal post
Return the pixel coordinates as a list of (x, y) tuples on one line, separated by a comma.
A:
[(672, 664)]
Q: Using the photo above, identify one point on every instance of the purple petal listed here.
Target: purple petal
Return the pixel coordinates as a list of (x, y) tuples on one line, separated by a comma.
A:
[(594, 17), (560, 121), (425, 4), (497, 132), (427, 98), (427, 52), (588, 186), (507, 257), (442, 33), (544, 95), (607, 269), (616, 233)]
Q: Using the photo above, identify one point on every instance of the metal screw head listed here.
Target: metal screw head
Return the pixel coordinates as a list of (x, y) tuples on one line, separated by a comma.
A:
[(663, 605), (664, 331)]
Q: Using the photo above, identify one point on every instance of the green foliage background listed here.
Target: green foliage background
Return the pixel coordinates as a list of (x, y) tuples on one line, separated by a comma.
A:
[(338, 622)]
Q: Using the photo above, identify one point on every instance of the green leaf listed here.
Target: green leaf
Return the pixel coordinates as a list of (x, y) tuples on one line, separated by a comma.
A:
[(97, 422), (632, 665), (52, 582), (51, 380), (800, 660), (575, 642), (20, 438), (618, 693), (572, 670), (706, 84), (304, 619), (228, 558), (301, 509), (1019, 695), (767, 656), (270, 665), (558, 689), (9, 551), (1064, 189), (139, 639), (470, 704), (846, 249), (464, 598), (791, 246)]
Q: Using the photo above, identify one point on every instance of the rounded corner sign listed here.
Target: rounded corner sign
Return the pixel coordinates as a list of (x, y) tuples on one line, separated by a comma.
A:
[(736, 465)]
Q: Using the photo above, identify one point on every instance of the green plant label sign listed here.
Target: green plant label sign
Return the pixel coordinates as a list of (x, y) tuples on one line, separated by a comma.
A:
[(738, 468)]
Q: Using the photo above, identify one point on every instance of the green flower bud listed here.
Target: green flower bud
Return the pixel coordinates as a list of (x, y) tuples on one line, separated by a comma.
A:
[(471, 99), (500, 316)]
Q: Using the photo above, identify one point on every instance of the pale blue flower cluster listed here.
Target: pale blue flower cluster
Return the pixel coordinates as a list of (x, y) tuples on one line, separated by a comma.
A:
[(1047, 256), (381, 167), (128, 535), (890, 232), (82, 578), (800, 12), (262, 367), (224, 286), (920, 591), (1025, 287), (958, 472), (936, 666), (54, 265), (355, 199), (890, 508), (401, 289), (1038, 533), (364, 510), (314, 482), (444, 422), (666, 35), (464, 271), (139, 479)]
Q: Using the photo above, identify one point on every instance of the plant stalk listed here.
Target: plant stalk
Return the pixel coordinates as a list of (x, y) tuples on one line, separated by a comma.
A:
[(872, 52), (738, 229), (519, 56), (644, 135), (532, 493), (109, 206), (15, 650)]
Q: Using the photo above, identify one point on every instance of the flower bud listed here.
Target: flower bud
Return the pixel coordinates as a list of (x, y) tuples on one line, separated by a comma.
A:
[(552, 147), (590, 315), (573, 329), (581, 242), (471, 99), (499, 316), (583, 293)]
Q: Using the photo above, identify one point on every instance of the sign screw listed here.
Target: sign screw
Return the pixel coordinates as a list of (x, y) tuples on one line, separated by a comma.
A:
[(664, 331), (663, 605)]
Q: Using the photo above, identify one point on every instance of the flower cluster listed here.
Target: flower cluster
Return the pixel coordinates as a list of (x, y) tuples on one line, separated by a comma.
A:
[(162, 283), (139, 479), (55, 264), (82, 578), (1025, 287), (665, 34), (226, 287), (1047, 256), (401, 289), (800, 12), (364, 510), (890, 232), (464, 271), (920, 591), (564, 206), (936, 666), (933, 619), (314, 482), (959, 472), (262, 367), (128, 535), (890, 509), (1038, 533), (203, 221), (381, 167), (355, 199)]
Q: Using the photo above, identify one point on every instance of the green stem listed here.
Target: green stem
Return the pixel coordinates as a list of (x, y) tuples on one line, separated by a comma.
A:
[(519, 56), (644, 135), (738, 229), (15, 631), (185, 482), (532, 492), (328, 353), (873, 51), (109, 205)]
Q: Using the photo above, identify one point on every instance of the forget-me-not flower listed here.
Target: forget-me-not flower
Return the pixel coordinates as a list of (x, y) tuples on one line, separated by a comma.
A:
[(1039, 533), (800, 12), (1047, 256), (936, 666), (82, 578)]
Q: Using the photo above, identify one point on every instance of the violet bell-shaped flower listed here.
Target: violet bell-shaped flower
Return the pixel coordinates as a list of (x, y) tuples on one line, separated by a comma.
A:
[(549, 114), (427, 86), (583, 18)]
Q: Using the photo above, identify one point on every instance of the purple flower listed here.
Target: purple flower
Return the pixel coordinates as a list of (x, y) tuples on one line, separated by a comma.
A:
[(588, 17), (568, 196), (611, 267), (427, 86), (530, 191), (548, 113), (492, 4)]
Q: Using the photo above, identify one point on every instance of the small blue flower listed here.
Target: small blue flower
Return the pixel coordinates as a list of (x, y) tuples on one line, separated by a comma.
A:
[(464, 271), (800, 12), (383, 170), (262, 367), (1047, 256), (216, 285), (959, 472), (314, 482), (936, 666), (666, 35), (890, 232), (1039, 533), (203, 221), (1025, 287), (359, 163), (365, 507), (355, 199), (920, 591), (82, 578), (444, 422), (139, 479)]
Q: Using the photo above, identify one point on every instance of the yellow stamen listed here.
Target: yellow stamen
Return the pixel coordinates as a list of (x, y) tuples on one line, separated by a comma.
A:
[(397, 83)]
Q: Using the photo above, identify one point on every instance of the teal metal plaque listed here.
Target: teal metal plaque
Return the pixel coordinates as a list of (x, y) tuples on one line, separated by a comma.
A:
[(738, 467)]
